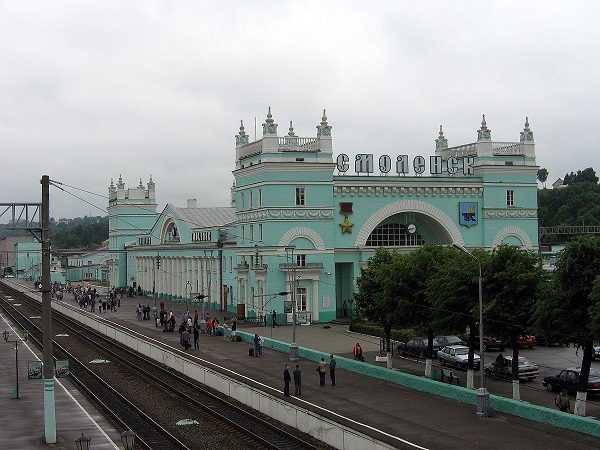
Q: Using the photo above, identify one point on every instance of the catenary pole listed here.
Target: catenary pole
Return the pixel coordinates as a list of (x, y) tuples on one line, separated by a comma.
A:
[(49, 405)]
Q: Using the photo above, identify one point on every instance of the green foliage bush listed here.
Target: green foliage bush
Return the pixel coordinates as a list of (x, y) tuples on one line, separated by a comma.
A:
[(376, 330)]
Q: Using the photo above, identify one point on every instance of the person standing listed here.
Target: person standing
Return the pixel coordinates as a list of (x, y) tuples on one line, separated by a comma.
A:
[(562, 401), (256, 344), (233, 329), (286, 381), (358, 353), (322, 368), (196, 338), (332, 364), (297, 381), (274, 313)]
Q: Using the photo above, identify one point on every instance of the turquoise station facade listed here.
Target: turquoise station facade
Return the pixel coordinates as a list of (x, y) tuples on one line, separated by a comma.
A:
[(303, 220)]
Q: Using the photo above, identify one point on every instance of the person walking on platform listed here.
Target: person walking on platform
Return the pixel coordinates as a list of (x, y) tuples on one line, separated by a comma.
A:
[(209, 324), (297, 381), (274, 313), (332, 364), (321, 368), (286, 381), (196, 318), (196, 337)]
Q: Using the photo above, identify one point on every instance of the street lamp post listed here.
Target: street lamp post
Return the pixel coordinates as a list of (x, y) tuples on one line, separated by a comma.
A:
[(483, 396), (201, 297), (17, 393)]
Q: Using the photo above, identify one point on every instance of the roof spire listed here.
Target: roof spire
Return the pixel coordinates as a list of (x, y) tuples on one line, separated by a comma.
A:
[(441, 142), (324, 129), (484, 133), (241, 138), (526, 134), (269, 116)]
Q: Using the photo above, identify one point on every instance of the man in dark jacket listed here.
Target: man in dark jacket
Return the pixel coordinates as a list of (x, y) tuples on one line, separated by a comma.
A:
[(286, 381)]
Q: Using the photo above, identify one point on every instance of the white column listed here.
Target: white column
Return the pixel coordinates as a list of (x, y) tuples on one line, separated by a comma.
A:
[(315, 302)]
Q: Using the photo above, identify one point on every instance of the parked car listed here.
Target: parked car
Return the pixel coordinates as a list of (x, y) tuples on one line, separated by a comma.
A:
[(457, 356), (490, 343), (569, 379), (450, 340), (417, 347), (502, 368), (596, 353), (528, 341)]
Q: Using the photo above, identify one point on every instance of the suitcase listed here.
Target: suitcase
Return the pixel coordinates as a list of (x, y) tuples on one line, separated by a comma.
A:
[(250, 351), (238, 338)]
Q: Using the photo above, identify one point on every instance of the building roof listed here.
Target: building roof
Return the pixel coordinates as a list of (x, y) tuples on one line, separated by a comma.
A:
[(197, 218)]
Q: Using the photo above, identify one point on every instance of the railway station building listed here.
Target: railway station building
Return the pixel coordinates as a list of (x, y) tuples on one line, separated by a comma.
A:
[(303, 220)]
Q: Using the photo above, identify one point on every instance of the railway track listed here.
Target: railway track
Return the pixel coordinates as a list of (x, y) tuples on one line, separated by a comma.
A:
[(165, 409)]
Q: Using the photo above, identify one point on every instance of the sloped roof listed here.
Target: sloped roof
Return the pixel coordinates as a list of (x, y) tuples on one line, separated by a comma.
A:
[(206, 217)]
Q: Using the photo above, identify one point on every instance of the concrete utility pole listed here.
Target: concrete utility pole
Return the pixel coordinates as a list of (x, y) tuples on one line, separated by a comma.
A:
[(48, 363), (25, 216)]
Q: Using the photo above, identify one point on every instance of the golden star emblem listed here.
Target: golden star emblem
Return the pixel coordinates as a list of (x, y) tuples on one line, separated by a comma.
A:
[(346, 226)]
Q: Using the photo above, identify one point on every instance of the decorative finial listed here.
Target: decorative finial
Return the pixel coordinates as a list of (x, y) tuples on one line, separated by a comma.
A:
[(291, 130), (484, 133), (269, 117), (441, 142), (526, 134), (242, 132), (324, 119)]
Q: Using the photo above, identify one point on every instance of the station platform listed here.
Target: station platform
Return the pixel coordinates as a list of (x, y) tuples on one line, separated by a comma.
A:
[(22, 419), (418, 419)]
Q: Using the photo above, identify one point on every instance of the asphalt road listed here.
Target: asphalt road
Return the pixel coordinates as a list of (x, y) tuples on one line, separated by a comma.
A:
[(550, 360)]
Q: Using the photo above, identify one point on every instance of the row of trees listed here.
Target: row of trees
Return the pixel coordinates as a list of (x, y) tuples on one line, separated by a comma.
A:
[(435, 289)]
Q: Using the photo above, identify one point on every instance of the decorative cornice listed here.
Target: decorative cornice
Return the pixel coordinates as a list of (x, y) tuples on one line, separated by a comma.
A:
[(284, 214), (401, 191), (510, 213)]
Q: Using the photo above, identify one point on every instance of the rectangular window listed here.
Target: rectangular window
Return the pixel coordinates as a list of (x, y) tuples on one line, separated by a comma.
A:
[(251, 237), (301, 299), (241, 200), (301, 260), (510, 197), (243, 234), (230, 264), (260, 198), (260, 232), (250, 199), (300, 196)]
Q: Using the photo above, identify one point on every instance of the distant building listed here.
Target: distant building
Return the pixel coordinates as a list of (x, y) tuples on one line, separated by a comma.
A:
[(301, 223)]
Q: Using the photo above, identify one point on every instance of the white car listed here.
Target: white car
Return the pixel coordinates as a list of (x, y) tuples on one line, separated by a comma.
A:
[(457, 356)]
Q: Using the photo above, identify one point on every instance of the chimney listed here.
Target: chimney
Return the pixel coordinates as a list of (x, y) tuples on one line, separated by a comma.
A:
[(191, 203)]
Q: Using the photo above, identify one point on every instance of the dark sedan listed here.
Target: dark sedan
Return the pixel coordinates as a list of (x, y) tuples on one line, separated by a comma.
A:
[(450, 340), (569, 379), (418, 347)]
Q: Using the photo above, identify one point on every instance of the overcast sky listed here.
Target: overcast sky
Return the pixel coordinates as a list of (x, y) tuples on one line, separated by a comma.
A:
[(95, 89)]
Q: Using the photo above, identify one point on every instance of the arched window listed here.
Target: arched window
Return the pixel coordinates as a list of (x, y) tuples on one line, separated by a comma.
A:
[(393, 235)]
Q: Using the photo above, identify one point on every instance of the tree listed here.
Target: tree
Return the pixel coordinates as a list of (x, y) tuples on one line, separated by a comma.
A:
[(577, 269), (586, 176), (511, 286), (454, 293), (542, 176), (374, 300)]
